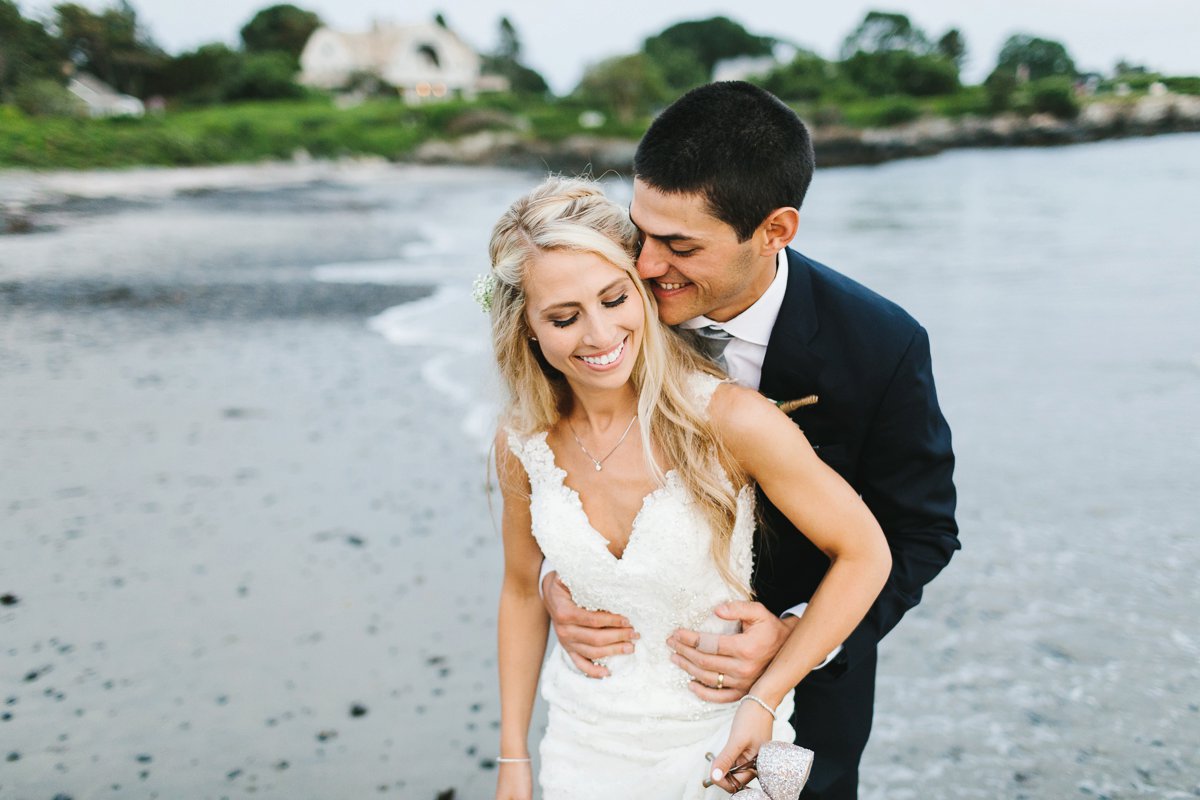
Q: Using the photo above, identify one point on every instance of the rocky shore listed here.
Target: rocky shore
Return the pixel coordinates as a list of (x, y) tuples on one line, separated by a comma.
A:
[(843, 146)]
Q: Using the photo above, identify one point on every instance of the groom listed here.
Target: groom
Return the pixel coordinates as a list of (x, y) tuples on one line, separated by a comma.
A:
[(719, 180)]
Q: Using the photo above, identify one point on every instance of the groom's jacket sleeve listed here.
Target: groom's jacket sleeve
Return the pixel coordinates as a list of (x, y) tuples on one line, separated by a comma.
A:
[(905, 477)]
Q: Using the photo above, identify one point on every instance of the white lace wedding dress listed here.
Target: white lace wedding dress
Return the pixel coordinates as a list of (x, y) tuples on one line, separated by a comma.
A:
[(639, 733)]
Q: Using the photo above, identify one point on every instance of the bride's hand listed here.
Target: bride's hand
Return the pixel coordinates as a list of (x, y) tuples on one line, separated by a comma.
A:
[(752, 726), (515, 781)]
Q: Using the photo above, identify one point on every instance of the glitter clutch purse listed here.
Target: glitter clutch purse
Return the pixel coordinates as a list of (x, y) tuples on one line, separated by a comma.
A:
[(783, 769)]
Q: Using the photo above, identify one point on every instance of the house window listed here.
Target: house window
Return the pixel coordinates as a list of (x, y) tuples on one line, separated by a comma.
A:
[(430, 55)]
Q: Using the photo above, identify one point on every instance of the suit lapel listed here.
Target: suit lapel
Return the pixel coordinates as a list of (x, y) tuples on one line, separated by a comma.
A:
[(791, 368)]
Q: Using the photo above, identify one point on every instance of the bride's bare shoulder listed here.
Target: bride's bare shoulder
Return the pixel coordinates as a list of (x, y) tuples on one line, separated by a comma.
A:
[(744, 419)]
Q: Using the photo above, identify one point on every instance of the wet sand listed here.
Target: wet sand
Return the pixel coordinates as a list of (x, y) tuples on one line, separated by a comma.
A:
[(227, 549)]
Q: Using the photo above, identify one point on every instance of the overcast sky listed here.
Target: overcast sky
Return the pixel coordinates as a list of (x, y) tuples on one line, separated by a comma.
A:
[(561, 37)]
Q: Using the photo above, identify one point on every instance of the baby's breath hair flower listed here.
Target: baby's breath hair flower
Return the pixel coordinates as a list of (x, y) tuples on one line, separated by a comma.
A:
[(482, 290)]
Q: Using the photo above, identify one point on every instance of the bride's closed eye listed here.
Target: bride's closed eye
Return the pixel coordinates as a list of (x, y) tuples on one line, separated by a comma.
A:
[(562, 323), (615, 303)]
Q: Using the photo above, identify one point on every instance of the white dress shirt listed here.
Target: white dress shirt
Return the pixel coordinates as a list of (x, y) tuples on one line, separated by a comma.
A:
[(751, 329)]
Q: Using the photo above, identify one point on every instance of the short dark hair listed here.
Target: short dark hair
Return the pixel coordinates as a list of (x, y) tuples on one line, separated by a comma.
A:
[(736, 144)]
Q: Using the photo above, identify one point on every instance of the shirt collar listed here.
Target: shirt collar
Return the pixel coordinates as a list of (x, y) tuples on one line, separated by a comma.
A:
[(755, 324)]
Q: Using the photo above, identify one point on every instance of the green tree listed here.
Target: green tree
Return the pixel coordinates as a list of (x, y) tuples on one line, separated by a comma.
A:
[(282, 28), (1124, 67), (1042, 57), (686, 52), (204, 75), (111, 45), (901, 72), (1054, 95), (807, 77), (887, 54), (27, 51), (41, 97), (952, 46), (506, 61), (1000, 87), (882, 32), (627, 86), (265, 76), (510, 42)]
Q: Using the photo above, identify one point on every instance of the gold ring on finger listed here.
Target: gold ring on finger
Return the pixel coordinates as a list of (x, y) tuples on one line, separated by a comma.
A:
[(720, 680)]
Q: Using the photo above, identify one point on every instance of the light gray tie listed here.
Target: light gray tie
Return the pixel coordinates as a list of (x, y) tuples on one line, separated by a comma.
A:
[(713, 341)]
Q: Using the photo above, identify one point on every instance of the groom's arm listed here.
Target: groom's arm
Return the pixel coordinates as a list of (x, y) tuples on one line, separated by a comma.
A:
[(587, 636), (906, 479)]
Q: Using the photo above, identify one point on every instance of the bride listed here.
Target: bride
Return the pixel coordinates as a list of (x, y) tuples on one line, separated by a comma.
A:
[(629, 462)]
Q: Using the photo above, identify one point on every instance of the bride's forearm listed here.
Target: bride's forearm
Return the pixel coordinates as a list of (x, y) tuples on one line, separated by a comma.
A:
[(523, 628), (840, 602)]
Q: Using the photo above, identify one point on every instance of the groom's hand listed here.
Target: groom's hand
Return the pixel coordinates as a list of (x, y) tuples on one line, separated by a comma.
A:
[(733, 661), (585, 635)]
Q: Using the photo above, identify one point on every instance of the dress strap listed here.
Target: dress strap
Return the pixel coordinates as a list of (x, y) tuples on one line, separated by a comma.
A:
[(702, 386), (533, 453)]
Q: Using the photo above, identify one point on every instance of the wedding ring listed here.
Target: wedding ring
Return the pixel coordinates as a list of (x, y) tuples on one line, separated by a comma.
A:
[(707, 643), (720, 680)]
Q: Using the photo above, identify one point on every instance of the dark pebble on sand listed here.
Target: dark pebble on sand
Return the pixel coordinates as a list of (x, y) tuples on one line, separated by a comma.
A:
[(34, 674), (356, 541), (6, 716), (282, 765), (145, 758), (62, 797), (446, 795), (8, 600), (358, 710), (233, 773), (13, 756)]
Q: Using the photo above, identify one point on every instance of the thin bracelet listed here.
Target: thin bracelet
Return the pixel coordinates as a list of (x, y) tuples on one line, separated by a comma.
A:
[(760, 701), (503, 760)]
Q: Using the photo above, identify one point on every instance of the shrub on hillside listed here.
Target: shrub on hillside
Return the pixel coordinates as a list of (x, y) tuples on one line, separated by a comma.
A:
[(1054, 96), (46, 98)]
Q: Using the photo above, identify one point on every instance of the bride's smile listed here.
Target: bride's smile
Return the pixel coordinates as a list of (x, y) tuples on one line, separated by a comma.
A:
[(606, 360), (587, 317)]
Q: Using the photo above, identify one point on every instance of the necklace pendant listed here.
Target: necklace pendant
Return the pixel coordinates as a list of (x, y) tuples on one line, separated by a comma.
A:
[(598, 466)]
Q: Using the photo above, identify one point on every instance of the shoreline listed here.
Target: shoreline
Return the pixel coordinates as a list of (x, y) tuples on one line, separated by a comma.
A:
[(23, 191), (842, 146)]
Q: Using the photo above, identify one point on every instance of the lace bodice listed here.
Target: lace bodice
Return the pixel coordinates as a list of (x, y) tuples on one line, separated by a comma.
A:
[(664, 580)]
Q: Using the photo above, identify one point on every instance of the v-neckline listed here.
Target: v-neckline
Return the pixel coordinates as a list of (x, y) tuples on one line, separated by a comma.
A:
[(668, 477)]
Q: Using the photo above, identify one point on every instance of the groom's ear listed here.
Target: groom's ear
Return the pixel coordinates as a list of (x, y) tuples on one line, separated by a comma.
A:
[(778, 229)]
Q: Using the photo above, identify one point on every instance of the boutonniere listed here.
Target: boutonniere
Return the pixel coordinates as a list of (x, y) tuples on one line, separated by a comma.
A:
[(788, 406)]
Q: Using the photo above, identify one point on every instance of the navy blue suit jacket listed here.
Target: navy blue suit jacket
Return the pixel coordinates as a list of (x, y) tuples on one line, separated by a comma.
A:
[(877, 423)]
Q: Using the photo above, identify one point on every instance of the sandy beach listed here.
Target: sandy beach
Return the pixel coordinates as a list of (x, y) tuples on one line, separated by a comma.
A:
[(245, 539)]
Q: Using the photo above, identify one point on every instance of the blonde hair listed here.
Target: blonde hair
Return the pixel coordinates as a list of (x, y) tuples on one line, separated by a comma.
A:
[(574, 214)]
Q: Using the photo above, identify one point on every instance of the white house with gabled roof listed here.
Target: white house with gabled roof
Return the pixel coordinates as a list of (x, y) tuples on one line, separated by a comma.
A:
[(420, 61)]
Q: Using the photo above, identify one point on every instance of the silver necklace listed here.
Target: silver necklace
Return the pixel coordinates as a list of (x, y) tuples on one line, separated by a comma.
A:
[(599, 462)]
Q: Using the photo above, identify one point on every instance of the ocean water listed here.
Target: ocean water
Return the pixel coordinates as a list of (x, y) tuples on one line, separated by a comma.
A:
[(1056, 655)]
